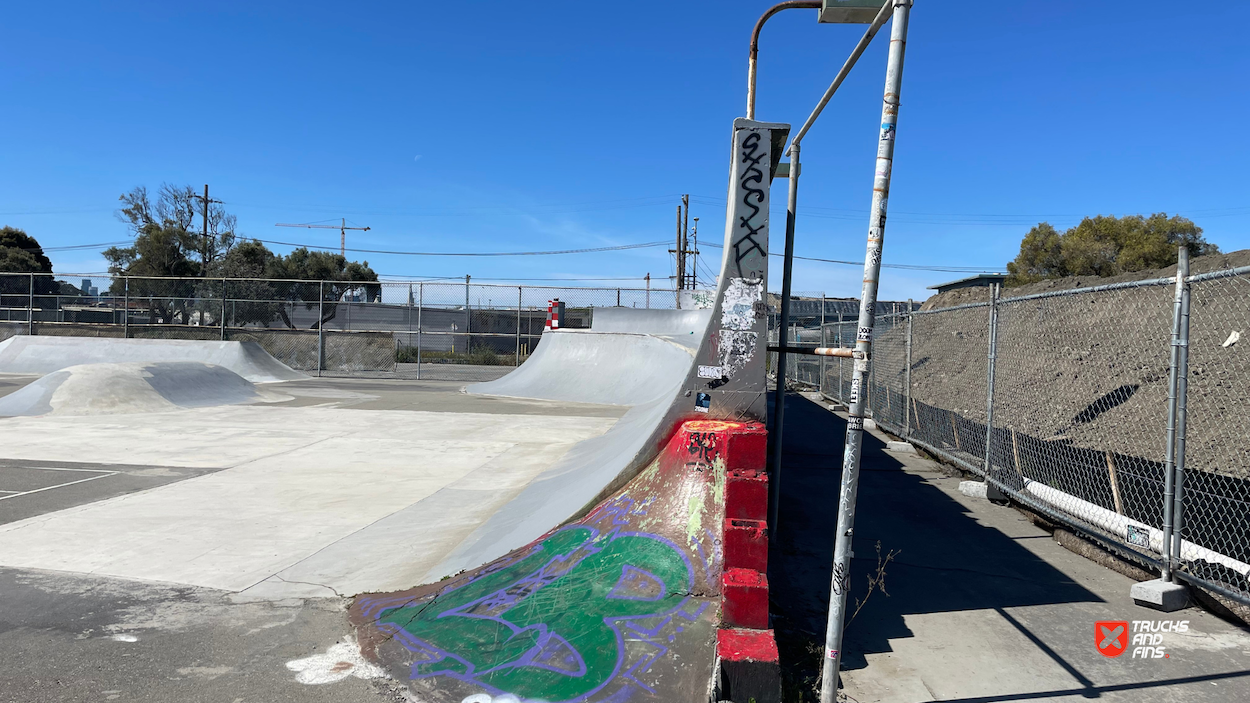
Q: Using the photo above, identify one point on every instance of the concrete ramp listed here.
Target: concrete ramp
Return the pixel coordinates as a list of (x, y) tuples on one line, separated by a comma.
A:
[(113, 389), (46, 354), (627, 357), (631, 357), (623, 603)]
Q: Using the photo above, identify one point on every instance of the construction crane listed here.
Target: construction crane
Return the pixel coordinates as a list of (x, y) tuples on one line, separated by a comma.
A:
[(342, 228)]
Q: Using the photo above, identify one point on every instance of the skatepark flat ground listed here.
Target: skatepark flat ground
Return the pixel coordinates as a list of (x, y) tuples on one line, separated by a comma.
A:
[(351, 485)]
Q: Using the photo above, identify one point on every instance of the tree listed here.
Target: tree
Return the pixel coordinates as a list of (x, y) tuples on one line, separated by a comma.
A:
[(168, 245), (1105, 246), (342, 278), (21, 253), (276, 284)]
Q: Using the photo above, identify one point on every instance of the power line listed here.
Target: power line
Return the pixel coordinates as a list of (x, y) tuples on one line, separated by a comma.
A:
[(909, 267), (489, 253)]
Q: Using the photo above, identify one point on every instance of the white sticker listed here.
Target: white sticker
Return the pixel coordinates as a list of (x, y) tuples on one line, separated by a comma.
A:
[(711, 372), (738, 305), (855, 423), (833, 654), (855, 385), (865, 334)]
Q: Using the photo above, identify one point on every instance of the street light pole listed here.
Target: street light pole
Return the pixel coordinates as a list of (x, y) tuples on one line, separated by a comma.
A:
[(840, 580)]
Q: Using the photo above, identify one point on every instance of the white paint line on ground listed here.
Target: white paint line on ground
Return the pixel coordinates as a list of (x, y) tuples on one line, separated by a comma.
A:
[(59, 485)]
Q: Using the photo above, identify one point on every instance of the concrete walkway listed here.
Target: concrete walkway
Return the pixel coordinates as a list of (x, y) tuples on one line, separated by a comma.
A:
[(982, 605)]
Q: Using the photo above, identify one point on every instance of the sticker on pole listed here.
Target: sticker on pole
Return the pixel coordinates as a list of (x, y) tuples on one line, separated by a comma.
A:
[(833, 654), (855, 423), (711, 372)]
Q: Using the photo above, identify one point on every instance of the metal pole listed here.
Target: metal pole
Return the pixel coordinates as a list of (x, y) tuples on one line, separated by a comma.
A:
[(30, 307), (468, 319), (648, 290), (821, 383), (126, 311), (779, 393), (519, 300), (907, 377), (990, 366), (1174, 374), (755, 45), (420, 310), (321, 342), (1182, 396), (223, 309), (839, 581), (839, 344)]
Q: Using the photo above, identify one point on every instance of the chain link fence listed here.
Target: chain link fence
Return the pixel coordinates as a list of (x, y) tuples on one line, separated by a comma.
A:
[(417, 329), (1063, 401)]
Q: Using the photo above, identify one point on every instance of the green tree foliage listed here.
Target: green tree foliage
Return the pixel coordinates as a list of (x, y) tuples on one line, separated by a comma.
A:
[(291, 280), (170, 243), (21, 253), (1105, 246)]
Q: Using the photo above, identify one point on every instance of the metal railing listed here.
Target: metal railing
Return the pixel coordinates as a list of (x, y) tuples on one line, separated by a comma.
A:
[(1121, 411), (418, 329)]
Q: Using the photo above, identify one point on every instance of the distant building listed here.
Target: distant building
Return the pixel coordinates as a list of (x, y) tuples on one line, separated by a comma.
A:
[(981, 280), (89, 290)]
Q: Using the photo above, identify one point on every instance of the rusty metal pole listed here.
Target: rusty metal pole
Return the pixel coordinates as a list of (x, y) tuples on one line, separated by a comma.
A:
[(840, 579), (755, 44)]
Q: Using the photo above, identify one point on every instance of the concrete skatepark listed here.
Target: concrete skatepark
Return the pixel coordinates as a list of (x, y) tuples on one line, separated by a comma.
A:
[(193, 521)]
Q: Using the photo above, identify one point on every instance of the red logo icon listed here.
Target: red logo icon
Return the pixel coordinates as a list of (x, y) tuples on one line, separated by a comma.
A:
[(1111, 637)]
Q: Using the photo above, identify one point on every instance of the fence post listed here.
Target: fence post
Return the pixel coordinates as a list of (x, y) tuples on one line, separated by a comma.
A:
[(907, 377), (126, 311), (1178, 388), (30, 307), (223, 309), (519, 300), (420, 310), (1182, 416), (321, 340), (990, 365)]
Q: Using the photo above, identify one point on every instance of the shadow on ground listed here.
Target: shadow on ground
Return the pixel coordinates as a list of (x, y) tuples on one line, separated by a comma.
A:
[(945, 559)]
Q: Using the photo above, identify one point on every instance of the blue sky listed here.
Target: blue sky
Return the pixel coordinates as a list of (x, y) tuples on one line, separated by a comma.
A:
[(503, 126)]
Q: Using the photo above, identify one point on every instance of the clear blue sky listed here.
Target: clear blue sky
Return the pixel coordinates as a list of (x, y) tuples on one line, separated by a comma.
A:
[(489, 126)]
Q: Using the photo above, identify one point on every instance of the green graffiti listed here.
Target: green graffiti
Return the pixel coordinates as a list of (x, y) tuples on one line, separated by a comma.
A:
[(546, 626)]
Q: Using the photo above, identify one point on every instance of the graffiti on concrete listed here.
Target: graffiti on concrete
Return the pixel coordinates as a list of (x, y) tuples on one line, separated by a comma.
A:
[(751, 227), (553, 624)]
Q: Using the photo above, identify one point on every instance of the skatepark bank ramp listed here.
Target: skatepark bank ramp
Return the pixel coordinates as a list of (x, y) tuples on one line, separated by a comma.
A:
[(45, 354)]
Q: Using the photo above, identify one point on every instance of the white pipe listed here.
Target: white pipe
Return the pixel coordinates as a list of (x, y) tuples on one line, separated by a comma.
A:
[(1118, 525)]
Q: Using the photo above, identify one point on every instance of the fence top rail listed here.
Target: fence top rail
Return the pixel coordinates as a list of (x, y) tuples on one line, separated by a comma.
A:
[(451, 283), (966, 306), (1214, 275)]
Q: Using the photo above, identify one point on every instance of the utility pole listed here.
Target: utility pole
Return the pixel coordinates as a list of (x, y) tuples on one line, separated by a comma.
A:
[(680, 253), (685, 231), (694, 257), (206, 201)]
